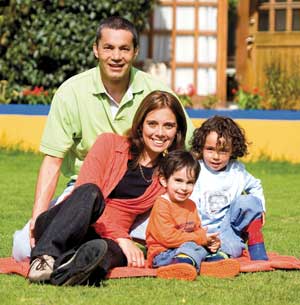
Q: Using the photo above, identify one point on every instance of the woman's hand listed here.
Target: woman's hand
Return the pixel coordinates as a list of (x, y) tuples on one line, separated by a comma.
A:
[(135, 256)]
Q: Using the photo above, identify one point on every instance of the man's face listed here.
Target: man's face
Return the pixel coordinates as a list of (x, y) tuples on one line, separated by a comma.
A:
[(115, 53)]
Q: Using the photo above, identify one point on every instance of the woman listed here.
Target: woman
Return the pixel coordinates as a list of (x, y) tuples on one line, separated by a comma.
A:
[(116, 183)]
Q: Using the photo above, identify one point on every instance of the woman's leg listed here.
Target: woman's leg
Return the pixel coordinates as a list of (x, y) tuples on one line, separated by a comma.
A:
[(105, 253), (65, 226), (114, 256), (21, 244), (61, 234)]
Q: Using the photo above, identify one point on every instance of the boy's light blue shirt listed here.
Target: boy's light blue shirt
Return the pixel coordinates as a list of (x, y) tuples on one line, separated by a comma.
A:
[(214, 191)]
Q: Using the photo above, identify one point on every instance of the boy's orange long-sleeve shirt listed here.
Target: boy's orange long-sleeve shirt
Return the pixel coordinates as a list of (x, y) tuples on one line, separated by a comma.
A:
[(171, 225)]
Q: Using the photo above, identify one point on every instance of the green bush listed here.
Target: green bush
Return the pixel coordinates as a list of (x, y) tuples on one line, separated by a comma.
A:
[(42, 43), (282, 88), (248, 99), (210, 101)]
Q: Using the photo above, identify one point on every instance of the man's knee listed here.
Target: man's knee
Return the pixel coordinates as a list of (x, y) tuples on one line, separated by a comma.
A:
[(21, 245)]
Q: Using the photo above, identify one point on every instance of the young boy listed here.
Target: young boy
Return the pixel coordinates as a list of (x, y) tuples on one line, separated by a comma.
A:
[(229, 200), (176, 242)]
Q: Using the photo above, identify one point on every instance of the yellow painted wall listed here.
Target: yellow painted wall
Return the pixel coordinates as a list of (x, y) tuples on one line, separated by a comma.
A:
[(278, 140), (23, 131)]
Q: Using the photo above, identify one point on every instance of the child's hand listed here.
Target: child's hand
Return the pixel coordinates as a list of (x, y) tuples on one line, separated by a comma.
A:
[(263, 218), (214, 247), (213, 242)]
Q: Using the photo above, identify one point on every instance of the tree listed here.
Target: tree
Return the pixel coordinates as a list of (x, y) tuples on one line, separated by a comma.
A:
[(42, 43)]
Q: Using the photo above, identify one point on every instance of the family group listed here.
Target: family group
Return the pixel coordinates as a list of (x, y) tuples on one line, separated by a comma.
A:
[(140, 173)]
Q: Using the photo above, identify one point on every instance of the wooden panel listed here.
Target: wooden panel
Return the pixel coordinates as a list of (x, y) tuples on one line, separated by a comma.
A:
[(242, 33), (277, 47), (265, 46), (278, 39), (173, 63), (222, 52)]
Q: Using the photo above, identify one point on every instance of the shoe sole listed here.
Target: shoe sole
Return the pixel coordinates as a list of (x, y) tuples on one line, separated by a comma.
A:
[(220, 269), (180, 271), (83, 275), (80, 274)]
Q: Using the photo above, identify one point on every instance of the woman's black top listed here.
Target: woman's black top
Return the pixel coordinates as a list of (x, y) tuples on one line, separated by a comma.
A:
[(133, 184)]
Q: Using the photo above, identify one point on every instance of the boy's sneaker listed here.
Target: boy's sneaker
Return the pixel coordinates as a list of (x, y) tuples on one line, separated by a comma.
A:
[(177, 271), (40, 269), (79, 267), (219, 255), (221, 269)]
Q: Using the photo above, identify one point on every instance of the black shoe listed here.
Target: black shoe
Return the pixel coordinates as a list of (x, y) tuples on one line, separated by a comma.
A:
[(79, 267)]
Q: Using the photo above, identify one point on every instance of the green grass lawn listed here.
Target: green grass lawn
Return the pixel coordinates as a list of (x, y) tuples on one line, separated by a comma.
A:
[(281, 182)]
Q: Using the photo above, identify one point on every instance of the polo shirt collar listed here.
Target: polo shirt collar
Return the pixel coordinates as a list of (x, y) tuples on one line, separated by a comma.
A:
[(98, 87), (136, 84)]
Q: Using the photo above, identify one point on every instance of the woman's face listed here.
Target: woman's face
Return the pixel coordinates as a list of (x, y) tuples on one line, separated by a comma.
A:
[(158, 131)]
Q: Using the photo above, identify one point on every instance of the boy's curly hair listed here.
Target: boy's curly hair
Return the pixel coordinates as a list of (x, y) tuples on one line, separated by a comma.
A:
[(226, 128)]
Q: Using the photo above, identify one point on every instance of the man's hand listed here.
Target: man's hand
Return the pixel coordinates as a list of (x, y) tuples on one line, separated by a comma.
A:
[(135, 256)]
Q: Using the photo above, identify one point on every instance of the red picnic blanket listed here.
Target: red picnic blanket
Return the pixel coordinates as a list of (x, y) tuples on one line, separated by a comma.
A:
[(10, 266)]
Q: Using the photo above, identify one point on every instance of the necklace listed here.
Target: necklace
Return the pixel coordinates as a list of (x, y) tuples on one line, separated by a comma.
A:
[(143, 175)]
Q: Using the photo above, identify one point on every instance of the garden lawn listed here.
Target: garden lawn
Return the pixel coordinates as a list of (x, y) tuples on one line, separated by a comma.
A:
[(18, 172)]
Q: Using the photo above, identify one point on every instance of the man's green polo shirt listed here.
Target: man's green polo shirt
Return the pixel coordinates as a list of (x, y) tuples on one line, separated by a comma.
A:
[(80, 111)]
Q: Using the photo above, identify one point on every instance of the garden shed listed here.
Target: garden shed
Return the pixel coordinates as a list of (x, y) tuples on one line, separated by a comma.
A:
[(268, 35)]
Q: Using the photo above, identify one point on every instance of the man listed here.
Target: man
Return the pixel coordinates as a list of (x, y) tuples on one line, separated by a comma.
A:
[(102, 99)]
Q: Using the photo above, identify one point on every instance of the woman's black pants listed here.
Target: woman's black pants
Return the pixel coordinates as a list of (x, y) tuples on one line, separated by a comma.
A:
[(66, 226)]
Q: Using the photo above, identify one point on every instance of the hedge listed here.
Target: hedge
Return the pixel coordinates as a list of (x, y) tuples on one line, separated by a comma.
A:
[(42, 43)]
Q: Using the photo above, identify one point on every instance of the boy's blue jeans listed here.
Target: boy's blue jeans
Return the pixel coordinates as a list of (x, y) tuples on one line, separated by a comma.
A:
[(196, 252), (240, 214)]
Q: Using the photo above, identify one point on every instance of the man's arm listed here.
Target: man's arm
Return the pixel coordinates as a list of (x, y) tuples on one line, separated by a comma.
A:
[(45, 189)]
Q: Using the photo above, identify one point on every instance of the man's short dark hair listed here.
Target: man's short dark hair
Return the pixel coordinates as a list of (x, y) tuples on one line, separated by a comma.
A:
[(118, 23)]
